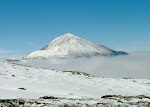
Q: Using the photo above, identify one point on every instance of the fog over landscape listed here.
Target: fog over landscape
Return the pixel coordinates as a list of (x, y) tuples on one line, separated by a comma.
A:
[(134, 65), (74, 53)]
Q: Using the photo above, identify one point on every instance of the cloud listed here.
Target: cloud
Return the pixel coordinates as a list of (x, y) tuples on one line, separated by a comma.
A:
[(5, 51), (5, 54), (135, 65), (30, 43)]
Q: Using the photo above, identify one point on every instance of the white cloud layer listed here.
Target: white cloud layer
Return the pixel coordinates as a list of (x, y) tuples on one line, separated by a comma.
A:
[(5, 51), (5, 54), (135, 65)]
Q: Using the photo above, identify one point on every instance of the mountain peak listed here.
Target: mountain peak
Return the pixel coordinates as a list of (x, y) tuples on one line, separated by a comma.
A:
[(69, 35), (69, 45)]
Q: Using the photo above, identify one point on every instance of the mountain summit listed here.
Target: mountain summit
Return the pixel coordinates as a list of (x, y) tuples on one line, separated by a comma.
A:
[(69, 45), (63, 40)]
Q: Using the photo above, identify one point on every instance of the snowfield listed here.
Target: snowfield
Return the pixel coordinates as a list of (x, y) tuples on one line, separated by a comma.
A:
[(30, 84)]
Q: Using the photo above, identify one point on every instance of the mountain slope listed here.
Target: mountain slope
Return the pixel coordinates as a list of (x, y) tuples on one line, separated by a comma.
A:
[(27, 82), (69, 45)]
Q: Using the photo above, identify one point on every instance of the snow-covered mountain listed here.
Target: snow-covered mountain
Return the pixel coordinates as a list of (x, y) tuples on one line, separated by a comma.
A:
[(69, 45)]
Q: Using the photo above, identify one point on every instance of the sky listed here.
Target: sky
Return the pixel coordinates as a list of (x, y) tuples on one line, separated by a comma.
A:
[(29, 25)]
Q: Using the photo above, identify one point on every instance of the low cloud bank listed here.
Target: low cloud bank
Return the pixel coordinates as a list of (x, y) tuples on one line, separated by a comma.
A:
[(134, 65)]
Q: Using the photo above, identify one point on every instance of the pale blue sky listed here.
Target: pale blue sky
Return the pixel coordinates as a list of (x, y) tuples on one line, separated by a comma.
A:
[(28, 25)]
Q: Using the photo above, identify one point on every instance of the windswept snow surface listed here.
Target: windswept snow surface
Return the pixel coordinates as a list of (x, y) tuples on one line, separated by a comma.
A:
[(18, 81), (24, 85), (69, 45)]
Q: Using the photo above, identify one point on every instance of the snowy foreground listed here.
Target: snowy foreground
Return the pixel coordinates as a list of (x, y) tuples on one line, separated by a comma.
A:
[(30, 86)]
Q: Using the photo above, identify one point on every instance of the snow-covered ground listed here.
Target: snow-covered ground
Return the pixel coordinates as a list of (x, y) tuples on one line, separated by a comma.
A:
[(26, 82)]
